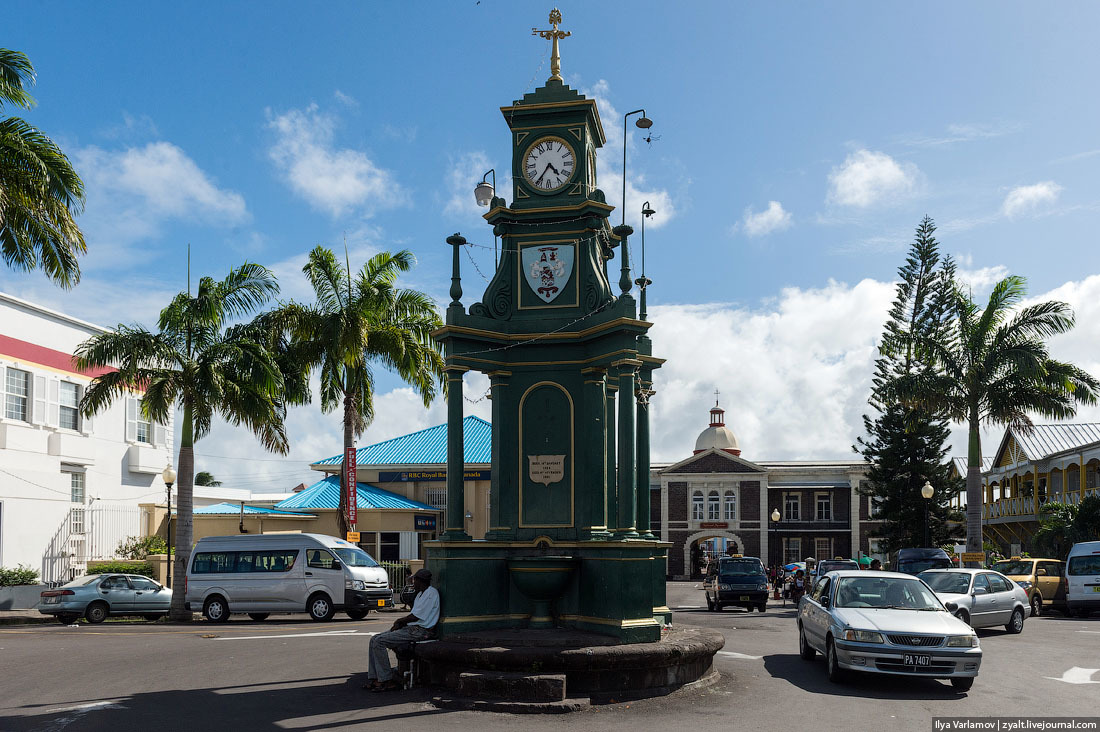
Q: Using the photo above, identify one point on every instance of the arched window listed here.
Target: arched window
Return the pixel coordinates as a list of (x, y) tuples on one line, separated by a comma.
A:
[(731, 506), (714, 509), (697, 506)]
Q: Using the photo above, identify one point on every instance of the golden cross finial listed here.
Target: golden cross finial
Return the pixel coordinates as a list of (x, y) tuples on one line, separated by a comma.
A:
[(554, 35)]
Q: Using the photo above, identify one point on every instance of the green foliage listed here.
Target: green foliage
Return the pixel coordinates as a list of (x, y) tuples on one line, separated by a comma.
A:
[(121, 567), (40, 192), (205, 478), (21, 575), (905, 446), (1061, 526), (139, 547)]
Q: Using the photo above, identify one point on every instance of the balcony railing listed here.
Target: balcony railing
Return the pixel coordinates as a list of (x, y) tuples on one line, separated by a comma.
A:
[(1028, 507)]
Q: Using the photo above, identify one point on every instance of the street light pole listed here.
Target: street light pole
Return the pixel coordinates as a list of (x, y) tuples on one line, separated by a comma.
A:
[(775, 516), (927, 491), (169, 476)]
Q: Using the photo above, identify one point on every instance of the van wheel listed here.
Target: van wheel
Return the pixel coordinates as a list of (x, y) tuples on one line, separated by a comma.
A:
[(1036, 605), (320, 607), (357, 614), (96, 612), (762, 607), (258, 616), (215, 609), (1016, 622)]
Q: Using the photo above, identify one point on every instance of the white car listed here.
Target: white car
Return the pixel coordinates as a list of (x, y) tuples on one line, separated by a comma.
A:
[(981, 597), (885, 623)]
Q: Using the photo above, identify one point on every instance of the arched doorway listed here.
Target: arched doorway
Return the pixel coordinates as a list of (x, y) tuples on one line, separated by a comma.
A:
[(698, 544)]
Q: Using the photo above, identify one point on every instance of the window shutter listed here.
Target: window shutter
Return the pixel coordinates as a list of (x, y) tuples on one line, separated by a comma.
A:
[(158, 434), (53, 409), (38, 393), (131, 419)]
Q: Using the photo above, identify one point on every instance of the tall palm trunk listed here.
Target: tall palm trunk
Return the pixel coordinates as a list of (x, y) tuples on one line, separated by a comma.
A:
[(974, 496), (185, 525), (349, 442)]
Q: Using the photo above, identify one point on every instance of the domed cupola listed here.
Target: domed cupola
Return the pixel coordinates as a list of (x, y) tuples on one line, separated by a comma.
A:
[(717, 435)]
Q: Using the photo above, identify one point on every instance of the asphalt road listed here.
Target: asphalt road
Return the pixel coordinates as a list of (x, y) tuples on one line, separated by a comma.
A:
[(294, 674)]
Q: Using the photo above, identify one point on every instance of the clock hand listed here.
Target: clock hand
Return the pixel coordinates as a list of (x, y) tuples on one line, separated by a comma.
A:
[(539, 179)]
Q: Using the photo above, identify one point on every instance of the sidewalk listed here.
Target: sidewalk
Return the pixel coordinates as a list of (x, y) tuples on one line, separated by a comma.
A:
[(24, 617)]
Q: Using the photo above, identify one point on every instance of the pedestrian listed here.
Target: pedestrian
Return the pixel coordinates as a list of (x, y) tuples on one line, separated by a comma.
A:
[(876, 565), (416, 626), (798, 587)]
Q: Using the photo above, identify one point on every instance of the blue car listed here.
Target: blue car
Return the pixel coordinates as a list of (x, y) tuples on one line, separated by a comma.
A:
[(98, 596)]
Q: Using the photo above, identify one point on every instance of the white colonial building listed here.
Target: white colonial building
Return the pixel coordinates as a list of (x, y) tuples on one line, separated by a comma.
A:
[(69, 486)]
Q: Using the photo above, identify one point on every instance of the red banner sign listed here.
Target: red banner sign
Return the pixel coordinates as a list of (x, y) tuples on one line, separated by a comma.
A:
[(714, 525), (349, 480)]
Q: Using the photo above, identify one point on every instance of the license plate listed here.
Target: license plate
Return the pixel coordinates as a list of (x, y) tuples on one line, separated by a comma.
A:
[(915, 660), (744, 598), (51, 600), (381, 603), (1096, 588)]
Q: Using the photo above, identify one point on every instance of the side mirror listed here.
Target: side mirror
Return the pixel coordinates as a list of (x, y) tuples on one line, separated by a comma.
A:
[(951, 606), (1041, 573), (336, 564), (978, 591), (824, 601)]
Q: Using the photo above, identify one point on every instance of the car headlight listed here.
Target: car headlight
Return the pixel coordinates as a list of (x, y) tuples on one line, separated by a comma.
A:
[(354, 584), (962, 641), (723, 587), (762, 586), (1024, 583), (863, 636)]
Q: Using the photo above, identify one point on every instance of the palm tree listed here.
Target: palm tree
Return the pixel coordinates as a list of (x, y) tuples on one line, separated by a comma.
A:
[(357, 322), (39, 190), (206, 478), (195, 362), (992, 367)]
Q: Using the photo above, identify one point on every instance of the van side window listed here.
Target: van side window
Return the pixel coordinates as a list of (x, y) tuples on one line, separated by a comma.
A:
[(319, 558), (213, 562), (279, 560)]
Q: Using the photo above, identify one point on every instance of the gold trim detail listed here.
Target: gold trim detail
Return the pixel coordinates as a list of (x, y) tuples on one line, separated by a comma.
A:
[(480, 618), (662, 609), (551, 209), (577, 132), (609, 325), (625, 623), (520, 137), (540, 569), (527, 153), (572, 462)]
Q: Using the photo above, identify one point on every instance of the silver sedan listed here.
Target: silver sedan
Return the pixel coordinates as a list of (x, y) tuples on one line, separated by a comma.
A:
[(980, 597), (886, 623), (100, 595)]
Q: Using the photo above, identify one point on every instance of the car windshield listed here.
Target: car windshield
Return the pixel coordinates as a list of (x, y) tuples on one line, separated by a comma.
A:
[(916, 566), (355, 557), (885, 593), (1011, 567), (948, 582), (833, 564), (1084, 565), (740, 568)]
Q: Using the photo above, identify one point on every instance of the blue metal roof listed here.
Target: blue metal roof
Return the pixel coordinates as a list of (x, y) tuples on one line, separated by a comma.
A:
[(326, 494), (426, 447), (235, 508)]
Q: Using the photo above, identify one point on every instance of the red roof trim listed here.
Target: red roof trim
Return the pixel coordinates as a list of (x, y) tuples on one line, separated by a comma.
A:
[(19, 350)]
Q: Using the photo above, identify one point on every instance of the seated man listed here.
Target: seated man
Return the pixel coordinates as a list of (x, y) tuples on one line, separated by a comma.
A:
[(417, 625)]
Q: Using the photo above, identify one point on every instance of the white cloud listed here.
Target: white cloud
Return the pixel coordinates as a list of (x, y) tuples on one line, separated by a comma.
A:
[(866, 177), (609, 173), (966, 133), (1029, 199), (981, 279), (464, 173), (773, 218), (333, 180)]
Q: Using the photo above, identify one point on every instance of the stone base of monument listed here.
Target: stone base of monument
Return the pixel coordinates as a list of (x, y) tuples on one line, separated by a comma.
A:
[(556, 670)]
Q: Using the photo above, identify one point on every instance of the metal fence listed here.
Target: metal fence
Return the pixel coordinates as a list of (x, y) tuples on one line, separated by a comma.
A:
[(398, 572), (88, 535)]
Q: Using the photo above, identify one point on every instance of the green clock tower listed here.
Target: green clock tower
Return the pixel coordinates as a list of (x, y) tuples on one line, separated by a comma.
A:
[(571, 370)]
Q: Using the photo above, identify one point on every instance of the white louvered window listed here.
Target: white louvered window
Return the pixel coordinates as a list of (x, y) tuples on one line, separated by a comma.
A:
[(730, 503), (69, 412), (17, 389), (714, 508), (697, 506)]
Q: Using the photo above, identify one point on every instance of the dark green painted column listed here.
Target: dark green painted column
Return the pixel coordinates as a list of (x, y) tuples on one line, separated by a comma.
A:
[(627, 526), (456, 508), (502, 518), (592, 519), (645, 393), (610, 390)]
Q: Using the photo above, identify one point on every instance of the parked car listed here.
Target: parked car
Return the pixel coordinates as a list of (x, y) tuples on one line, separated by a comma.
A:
[(1083, 578), (1042, 579), (915, 561), (737, 581), (830, 565), (99, 596), (293, 573), (885, 623), (980, 597)]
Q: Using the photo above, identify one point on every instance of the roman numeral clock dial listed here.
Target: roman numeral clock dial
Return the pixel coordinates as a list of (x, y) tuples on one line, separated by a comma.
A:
[(549, 164)]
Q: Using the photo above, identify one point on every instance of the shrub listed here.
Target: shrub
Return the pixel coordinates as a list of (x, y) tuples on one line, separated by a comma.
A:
[(21, 575), (139, 547), (122, 567)]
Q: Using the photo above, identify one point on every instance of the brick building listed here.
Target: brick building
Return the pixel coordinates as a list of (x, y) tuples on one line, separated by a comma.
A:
[(718, 494)]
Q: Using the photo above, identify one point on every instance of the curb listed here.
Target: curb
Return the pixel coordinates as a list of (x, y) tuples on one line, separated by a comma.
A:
[(27, 620)]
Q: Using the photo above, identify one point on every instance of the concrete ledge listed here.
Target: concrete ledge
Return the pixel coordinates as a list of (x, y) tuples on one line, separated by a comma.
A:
[(512, 686)]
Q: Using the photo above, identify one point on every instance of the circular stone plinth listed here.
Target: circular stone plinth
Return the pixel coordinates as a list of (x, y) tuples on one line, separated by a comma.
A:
[(508, 664)]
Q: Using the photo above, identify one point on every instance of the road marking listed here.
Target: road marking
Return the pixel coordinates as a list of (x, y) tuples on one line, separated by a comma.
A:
[(734, 654), (1089, 631), (1077, 675), (75, 713), (331, 633)]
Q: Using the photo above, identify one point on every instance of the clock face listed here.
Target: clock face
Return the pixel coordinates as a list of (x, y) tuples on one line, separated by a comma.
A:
[(549, 164)]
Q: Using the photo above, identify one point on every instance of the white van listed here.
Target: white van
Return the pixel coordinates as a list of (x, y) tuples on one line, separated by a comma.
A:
[(1083, 578), (288, 573)]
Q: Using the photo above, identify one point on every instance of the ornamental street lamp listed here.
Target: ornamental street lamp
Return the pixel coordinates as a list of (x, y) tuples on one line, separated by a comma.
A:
[(927, 491), (484, 193), (775, 547), (643, 282), (169, 476), (643, 123)]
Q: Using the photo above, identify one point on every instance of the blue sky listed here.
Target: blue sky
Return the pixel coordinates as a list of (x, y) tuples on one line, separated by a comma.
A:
[(799, 145)]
